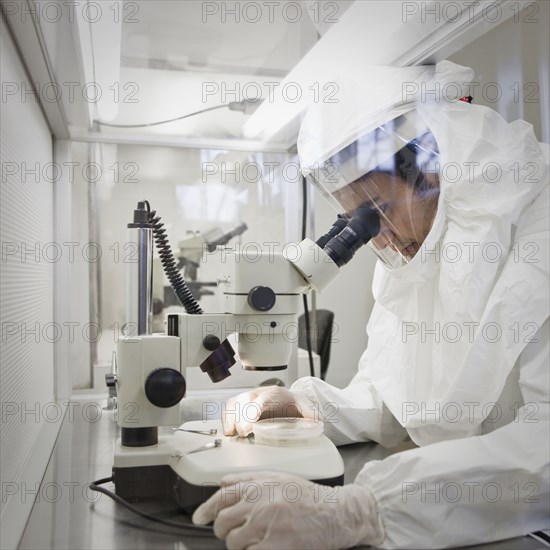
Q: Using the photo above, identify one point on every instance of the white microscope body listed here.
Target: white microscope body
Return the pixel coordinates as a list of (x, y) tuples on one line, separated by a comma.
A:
[(262, 300)]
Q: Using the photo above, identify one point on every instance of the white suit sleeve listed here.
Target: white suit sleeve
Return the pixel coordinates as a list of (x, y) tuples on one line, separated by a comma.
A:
[(477, 489), (355, 413)]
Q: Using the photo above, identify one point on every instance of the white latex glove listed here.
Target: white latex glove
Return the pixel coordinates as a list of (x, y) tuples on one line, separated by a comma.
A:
[(240, 412), (274, 510)]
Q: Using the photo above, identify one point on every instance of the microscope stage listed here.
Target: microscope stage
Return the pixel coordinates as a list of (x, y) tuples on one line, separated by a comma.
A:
[(317, 461), (169, 469)]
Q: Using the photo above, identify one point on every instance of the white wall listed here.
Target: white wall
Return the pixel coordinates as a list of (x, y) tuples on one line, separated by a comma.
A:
[(514, 59)]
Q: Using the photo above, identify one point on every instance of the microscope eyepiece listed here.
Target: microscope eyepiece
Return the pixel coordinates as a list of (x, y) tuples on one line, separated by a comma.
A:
[(336, 228), (364, 225), (226, 237)]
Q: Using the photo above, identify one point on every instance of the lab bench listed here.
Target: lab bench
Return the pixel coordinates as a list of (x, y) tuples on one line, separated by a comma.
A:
[(67, 514)]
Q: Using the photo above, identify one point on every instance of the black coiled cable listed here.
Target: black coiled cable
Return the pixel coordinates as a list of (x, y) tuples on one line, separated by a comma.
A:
[(169, 264)]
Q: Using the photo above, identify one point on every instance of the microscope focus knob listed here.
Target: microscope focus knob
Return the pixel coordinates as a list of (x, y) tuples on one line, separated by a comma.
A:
[(211, 343), (261, 298), (165, 387)]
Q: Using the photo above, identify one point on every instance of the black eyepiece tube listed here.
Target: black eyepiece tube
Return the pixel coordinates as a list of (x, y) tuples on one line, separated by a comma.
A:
[(337, 226), (364, 225), (226, 237)]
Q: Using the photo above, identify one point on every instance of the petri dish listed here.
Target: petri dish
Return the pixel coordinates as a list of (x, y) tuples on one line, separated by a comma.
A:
[(282, 432)]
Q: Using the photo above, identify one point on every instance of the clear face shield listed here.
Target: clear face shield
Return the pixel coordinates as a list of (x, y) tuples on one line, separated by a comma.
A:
[(394, 171)]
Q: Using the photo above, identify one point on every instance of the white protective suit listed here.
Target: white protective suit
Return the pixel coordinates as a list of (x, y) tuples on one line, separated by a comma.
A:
[(458, 348)]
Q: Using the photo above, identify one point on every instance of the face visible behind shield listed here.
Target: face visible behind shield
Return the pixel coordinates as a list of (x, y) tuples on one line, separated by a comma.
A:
[(393, 170)]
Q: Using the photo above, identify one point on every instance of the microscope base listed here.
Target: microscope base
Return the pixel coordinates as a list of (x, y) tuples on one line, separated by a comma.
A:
[(164, 471)]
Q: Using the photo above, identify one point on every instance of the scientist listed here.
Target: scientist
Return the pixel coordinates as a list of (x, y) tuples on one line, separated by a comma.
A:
[(458, 349)]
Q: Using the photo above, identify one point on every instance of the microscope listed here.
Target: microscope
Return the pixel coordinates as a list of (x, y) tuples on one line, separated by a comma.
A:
[(262, 299), (191, 247)]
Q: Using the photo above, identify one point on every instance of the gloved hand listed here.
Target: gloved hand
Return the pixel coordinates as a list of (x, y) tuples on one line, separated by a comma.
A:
[(274, 510), (242, 411)]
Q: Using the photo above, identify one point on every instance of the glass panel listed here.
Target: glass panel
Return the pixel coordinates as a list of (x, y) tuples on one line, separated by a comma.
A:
[(201, 195), (180, 58)]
